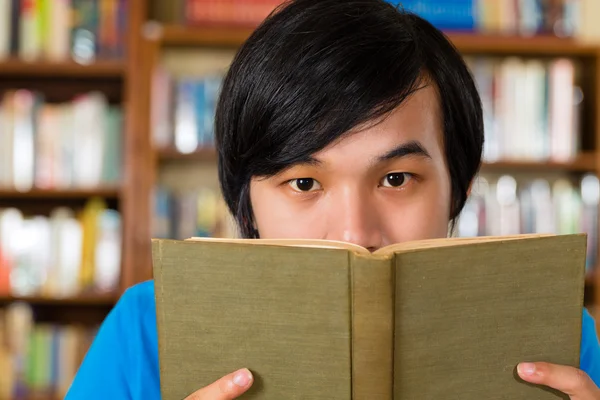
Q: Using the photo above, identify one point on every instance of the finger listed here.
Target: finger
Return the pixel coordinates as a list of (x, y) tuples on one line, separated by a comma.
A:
[(569, 380), (228, 387)]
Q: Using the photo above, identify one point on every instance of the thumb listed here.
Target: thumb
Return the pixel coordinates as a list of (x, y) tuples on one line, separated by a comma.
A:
[(228, 387)]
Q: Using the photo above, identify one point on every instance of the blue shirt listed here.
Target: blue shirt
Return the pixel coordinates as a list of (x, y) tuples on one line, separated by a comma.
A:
[(122, 363)]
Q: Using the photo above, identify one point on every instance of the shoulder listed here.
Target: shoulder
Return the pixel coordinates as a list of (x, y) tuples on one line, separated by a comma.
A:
[(136, 304), (138, 299), (590, 348), (123, 359), (136, 319)]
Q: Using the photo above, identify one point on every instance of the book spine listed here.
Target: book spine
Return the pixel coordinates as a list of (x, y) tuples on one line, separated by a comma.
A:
[(37, 358), (5, 13), (15, 32), (227, 12), (456, 15), (29, 43), (372, 308), (84, 35), (59, 28)]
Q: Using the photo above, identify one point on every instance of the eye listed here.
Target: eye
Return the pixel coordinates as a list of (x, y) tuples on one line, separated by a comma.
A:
[(305, 184), (396, 179)]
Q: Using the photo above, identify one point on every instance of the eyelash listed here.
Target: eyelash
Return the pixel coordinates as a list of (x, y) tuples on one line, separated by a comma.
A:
[(292, 181), (408, 177)]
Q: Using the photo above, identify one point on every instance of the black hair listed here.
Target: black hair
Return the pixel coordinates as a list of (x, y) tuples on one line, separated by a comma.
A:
[(316, 69)]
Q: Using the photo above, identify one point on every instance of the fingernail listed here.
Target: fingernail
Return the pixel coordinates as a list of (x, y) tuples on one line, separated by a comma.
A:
[(242, 378), (526, 368)]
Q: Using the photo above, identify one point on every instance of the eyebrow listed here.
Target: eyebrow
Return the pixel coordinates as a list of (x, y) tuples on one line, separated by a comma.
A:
[(412, 148)]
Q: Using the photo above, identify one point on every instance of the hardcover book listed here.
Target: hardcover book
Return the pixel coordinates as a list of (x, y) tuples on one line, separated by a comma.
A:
[(445, 318)]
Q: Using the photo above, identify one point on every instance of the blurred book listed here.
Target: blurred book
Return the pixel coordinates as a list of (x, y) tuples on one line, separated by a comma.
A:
[(447, 15), (532, 108), (183, 111), (59, 146), (39, 359), (561, 18), (61, 30), (507, 206), (193, 212), (213, 12), (65, 254)]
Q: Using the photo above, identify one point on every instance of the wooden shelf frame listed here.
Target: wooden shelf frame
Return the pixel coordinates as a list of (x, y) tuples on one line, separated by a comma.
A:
[(521, 45), (200, 155), (65, 69), (234, 36), (96, 300), (107, 192), (585, 162), (208, 36)]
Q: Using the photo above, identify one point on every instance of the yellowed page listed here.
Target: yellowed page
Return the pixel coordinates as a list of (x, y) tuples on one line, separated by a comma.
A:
[(315, 243), (446, 242)]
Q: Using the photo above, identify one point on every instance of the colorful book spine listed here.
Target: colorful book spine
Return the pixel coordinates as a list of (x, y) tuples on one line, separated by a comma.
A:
[(60, 145), (65, 254), (60, 30), (448, 15), (531, 107), (39, 359), (513, 17), (228, 12), (179, 214), (184, 111), (507, 205)]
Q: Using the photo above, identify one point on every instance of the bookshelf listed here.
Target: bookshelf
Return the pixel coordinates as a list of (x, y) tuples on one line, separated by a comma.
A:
[(128, 81), (59, 82)]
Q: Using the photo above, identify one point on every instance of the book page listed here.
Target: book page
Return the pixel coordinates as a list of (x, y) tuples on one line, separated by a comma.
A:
[(314, 243), (445, 242)]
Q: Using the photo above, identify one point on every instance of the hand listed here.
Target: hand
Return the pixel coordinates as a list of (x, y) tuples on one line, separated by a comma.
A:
[(228, 387), (571, 381)]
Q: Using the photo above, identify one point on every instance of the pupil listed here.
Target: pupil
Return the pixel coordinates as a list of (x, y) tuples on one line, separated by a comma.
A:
[(305, 184), (395, 179)]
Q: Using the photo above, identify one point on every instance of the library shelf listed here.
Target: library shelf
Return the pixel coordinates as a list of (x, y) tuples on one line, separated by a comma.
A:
[(63, 69), (84, 300), (171, 154), (109, 192), (585, 162), (234, 36), (215, 36), (590, 279), (525, 45)]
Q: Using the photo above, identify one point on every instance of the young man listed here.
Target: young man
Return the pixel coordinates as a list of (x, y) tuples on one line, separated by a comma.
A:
[(338, 119)]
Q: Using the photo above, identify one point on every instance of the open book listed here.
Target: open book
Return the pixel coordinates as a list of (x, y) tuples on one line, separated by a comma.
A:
[(434, 319)]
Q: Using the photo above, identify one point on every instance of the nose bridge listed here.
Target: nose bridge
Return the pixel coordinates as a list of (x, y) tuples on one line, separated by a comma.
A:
[(354, 218)]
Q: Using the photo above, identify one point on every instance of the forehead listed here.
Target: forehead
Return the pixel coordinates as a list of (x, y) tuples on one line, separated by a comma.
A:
[(418, 118)]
